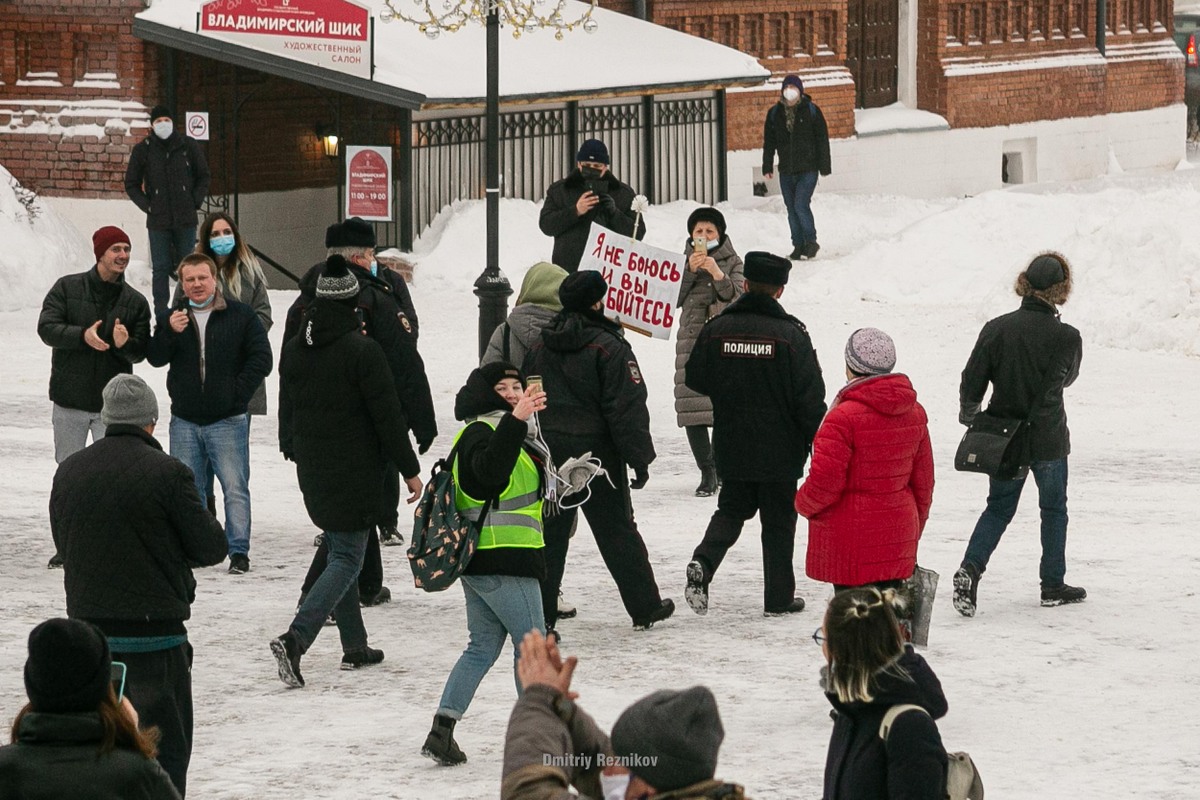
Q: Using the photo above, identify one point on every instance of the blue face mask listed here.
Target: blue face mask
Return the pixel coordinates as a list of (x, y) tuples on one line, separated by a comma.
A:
[(205, 304), (374, 268), (713, 244), (222, 245)]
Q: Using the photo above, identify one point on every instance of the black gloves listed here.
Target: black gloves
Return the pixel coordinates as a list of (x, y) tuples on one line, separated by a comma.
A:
[(640, 476), (288, 455), (423, 447), (607, 206)]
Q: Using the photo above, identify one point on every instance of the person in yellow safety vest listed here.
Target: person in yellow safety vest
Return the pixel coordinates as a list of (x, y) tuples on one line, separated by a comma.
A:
[(501, 462)]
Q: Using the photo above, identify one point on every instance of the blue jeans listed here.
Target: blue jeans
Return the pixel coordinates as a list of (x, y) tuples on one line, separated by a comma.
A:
[(498, 607), (225, 446), (167, 249), (336, 590), (797, 195), (1051, 479)]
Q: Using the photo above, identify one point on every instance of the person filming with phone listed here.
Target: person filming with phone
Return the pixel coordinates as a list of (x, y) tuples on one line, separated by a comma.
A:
[(78, 735), (591, 193)]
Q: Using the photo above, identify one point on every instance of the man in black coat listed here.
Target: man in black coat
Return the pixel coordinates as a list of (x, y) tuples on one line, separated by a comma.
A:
[(340, 421), (590, 193), (1028, 356), (596, 402), (795, 128), (131, 525), (386, 310), (167, 178), (758, 365), (99, 326), (218, 354)]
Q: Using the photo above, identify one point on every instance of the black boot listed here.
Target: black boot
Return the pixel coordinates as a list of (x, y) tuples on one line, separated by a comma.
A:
[(440, 744), (708, 482)]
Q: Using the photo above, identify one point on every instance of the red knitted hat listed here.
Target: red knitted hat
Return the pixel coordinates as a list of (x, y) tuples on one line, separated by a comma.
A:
[(105, 238)]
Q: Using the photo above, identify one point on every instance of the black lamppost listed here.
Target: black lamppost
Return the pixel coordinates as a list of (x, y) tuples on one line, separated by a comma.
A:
[(523, 16)]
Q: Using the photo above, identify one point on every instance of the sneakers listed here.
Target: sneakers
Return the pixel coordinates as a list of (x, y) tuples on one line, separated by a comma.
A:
[(440, 744), (239, 564), (384, 595), (966, 585), (286, 650), (1062, 595), (361, 657), (665, 610), (708, 482), (810, 249), (55, 562), (565, 609), (388, 535), (318, 540), (696, 593), (794, 607)]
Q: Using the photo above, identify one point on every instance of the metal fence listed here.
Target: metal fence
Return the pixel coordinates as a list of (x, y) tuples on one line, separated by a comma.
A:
[(679, 155)]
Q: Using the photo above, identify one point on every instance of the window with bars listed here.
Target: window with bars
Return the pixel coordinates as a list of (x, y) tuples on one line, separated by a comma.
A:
[(1040, 26), (752, 36), (725, 32), (1078, 25), (956, 26), (1019, 21), (975, 23), (777, 35), (996, 24), (803, 44), (826, 33)]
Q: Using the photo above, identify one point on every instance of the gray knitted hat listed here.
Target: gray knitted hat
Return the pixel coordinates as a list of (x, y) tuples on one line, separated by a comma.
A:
[(670, 739), (128, 400), (870, 351), (336, 282)]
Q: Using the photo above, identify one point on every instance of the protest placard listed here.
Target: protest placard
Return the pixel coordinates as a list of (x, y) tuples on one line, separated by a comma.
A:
[(643, 280)]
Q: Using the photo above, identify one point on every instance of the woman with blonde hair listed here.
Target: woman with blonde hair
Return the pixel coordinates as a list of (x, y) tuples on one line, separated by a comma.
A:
[(869, 670), (75, 738)]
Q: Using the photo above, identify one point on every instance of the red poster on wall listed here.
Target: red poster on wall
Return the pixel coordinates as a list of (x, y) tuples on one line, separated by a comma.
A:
[(369, 183)]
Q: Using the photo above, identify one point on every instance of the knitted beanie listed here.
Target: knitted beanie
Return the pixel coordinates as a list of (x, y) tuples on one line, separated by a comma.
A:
[(870, 351), (128, 400), (670, 739), (69, 667)]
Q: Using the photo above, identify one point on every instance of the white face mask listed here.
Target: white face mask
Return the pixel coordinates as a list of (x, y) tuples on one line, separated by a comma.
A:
[(163, 130), (791, 94), (614, 786), (713, 244)]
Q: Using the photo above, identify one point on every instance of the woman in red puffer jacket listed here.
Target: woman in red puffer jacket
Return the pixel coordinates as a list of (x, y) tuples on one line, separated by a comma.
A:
[(869, 488)]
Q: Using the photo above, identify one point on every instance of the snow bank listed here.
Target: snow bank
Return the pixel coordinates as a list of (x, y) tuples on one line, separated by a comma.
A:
[(39, 246)]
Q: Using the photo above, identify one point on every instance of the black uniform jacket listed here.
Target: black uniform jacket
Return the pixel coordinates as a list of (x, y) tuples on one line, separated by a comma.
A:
[(757, 364), (1021, 353)]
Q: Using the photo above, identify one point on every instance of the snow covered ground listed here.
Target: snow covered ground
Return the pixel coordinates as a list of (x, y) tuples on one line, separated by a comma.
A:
[(1090, 701)]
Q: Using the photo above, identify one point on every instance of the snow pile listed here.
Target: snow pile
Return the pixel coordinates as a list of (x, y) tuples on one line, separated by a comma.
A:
[(39, 246)]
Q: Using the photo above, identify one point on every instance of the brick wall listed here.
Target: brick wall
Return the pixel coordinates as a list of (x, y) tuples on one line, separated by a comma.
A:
[(72, 68)]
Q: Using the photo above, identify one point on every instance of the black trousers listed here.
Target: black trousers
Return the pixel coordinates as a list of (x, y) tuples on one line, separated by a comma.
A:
[(159, 684), (370, 579), (389, 515), (737, 502), (609, 513), (697, 436)]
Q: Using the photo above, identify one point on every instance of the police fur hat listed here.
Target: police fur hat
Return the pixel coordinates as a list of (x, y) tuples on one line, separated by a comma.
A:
[(1048, 277), (767, 268), (670, 739), (354, 232)]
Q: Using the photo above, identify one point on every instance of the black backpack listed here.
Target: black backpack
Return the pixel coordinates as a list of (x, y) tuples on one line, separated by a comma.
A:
[(443, 538)]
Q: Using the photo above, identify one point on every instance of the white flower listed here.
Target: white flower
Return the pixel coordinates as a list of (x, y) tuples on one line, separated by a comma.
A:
[(640, 204)]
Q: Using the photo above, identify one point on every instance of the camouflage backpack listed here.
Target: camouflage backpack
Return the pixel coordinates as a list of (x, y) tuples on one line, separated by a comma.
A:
[(443, 538)]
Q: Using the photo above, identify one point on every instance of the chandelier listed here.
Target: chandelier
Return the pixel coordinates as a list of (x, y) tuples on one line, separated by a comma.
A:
[(523, 16)]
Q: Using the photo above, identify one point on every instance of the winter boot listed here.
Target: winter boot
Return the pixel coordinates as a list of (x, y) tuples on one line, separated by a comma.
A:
[(966, 587), (708, 482), (665, 610), (440, 744), (1062, 595), (810, 249), (239, 564), (565, 609), (794, 607), (388, 535), (56, 562), (286, 650), (361, 657), (797, 253), (696, 593)]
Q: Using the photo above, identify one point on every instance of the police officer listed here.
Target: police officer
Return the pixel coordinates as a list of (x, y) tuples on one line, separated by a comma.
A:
[(596, 403), (758, 365)]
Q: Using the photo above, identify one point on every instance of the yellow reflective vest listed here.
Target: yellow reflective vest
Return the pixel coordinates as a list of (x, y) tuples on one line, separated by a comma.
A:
[(515, 520)]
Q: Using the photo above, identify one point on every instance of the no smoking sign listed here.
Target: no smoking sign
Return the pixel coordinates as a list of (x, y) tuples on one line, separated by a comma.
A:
[(196, 123)]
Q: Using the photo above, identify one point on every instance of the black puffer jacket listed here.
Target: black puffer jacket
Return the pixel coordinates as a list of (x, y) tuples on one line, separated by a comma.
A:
[(486, 459), (805, 148), (237, 357), (912, 765), (1020, 353), (55, 757), (757, 364), (386, 312), (570, 231), (78, 374), (130, 526), (594, 387), (168, 180), (339, 418)]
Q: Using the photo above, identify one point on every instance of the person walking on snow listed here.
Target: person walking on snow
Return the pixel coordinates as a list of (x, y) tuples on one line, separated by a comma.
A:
[(1029, 356), (795, 129)]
